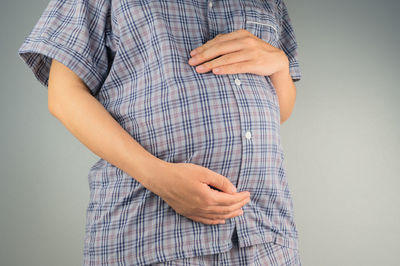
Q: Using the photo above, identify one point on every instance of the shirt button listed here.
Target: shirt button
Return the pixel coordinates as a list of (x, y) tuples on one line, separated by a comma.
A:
[(248, 135), (210, 4), (237, 81)]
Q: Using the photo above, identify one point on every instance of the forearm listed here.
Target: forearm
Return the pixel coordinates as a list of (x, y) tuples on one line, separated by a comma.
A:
[(286, 91), (92, 125)]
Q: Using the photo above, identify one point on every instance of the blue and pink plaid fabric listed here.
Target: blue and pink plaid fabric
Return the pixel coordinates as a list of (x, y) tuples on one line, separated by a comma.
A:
[(133, 56), (265, 254)]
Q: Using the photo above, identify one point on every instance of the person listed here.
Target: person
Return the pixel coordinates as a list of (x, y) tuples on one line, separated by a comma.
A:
[(191, 166)]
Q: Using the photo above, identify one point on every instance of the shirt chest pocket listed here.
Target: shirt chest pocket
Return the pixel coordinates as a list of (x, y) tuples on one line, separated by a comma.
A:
[(262, 23)]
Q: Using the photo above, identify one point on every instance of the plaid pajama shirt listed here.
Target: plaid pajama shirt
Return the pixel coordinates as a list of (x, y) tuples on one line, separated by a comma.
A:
[(133, 56)]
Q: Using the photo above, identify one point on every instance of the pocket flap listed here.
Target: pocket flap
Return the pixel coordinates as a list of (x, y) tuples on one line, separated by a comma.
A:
[(262, 23)]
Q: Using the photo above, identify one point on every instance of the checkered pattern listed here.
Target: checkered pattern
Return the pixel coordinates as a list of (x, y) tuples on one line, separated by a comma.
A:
[(133, 57), (264, 254)]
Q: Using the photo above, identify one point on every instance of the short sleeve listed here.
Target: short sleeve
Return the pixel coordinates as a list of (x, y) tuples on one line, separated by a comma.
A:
[(76, 33), (287, 41)]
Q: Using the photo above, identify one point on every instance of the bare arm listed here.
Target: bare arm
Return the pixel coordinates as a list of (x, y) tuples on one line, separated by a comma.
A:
[(286, 91), (70, 101)]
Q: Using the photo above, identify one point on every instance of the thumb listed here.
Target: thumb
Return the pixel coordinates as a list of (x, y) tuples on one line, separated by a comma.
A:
[(222, 183)]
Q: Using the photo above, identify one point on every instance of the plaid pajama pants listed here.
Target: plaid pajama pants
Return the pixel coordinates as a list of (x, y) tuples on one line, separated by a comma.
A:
[(265, 254)]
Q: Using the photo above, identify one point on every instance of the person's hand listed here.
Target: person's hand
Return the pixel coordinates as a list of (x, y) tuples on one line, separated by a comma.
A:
[(187, 188), (238, 52)]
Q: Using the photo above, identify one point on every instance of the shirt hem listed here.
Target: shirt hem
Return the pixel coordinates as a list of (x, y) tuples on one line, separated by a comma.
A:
[(203, 250)]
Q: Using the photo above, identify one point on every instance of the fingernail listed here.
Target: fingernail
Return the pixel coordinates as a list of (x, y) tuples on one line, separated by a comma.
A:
[(192, 53), (200, 67), (192, 60)]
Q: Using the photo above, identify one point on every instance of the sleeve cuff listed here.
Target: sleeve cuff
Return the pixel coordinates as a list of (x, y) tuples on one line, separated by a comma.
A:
[(294, 70), (38, 54)]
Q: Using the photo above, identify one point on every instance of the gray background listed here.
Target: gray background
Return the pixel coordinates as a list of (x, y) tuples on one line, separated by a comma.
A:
[(341, 142)]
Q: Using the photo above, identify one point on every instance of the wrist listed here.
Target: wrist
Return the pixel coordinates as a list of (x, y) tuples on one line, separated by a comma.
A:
[(148, 170), (281, 74), (284, 69)]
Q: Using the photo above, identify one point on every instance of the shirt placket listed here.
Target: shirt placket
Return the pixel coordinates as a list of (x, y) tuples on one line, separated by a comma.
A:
[(243, 96), (236, 86)]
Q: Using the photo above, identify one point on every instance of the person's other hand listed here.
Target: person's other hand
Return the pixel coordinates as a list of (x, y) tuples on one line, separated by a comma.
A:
[(238, 52), (187, 188)]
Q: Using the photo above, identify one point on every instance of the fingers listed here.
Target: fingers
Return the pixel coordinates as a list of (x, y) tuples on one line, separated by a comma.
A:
[(227, 196), (218, 215), (222, 37), (240, 67), (221, 182), (214, 210), (228, 59), (224, 211), (225, 199), (217, 49), (206, 220)]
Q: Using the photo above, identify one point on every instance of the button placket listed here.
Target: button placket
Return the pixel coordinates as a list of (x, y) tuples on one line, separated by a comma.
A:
[(248, 132), (247, 145)]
